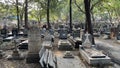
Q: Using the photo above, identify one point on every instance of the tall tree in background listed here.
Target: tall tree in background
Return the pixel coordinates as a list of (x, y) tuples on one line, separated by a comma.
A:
[(26, 13), (70, 16), (48, 15), (17, 11), (88, 19)]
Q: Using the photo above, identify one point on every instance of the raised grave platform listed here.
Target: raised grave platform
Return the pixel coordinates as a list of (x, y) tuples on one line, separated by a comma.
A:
[(65, 45), (94, 57)]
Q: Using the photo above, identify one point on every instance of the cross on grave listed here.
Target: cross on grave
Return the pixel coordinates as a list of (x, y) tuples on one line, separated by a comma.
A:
[(87, 40)]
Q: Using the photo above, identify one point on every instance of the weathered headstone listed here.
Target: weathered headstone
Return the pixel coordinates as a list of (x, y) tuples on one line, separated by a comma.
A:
[(118, 37), (63, 33), (25, 32), (15, 32), (87, 40), (51, 31), (4, 32), (34, 44), (76, 33), (1, 54)]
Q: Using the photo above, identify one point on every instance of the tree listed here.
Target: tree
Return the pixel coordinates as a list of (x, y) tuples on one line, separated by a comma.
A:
[(48, 16), (26, 14), (70, 16), (17, 11), (88, 19)]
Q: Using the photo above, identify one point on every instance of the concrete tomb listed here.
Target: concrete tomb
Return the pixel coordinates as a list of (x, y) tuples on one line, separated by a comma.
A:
[(65, 45), (63, 33), (76, 33), (91, 55), (34, 44), (68, 60), (15, 55), (48, 59)]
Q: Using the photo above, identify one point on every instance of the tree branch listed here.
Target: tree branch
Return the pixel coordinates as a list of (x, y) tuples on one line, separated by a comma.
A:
[(92, 7), (78, 6)]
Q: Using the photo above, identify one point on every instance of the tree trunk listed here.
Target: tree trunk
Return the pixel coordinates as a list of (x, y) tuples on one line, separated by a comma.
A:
[(88, 19), (26, 14), (17, 11), (48, 16), (70, 16), (110, 17), (93, 18)]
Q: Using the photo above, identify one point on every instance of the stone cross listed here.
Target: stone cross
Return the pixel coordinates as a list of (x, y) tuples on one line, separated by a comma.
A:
[(87, 40)]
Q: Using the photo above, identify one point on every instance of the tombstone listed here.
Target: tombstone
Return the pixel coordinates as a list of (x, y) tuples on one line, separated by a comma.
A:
[(1, 54), (87, 40), (48, 37), (76, 33), (25, 32), (118, 37), (63, 33), (34, 44), (15, 32), (51, 31), (1, 40), (43, 31), (4, 32)]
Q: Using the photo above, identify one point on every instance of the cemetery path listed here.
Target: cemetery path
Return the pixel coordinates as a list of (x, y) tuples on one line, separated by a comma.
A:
[(109, 43), (110, 48)]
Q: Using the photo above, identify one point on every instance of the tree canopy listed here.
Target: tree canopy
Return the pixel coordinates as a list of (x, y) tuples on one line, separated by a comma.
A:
[(59, 10)]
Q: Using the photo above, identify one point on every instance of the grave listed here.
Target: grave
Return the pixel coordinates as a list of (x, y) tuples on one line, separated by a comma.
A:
[(91, 55), (48, 37), (48, 59), (76, 33), (8, 39), (34, 44), (15, 55), (15, 32), (76, 38), (25, 32), (63, 33), (23, 45), (87, 37), (43, 31), (87, 40), (1, 54), (75, 41), (4, 32), (118, 38), (65, 45), (68, 60), (51, 31)]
